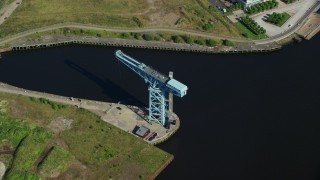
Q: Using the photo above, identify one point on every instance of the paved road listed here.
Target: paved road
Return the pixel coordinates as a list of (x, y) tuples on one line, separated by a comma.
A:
[(296, 10), (2, 169), (101, 28), (293, 28), (8, 10)]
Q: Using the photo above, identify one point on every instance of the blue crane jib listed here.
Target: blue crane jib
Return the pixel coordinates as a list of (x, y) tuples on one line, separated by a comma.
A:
[(161, 88)]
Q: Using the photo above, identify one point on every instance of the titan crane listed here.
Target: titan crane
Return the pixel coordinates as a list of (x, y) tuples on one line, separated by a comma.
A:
[(161, 88)]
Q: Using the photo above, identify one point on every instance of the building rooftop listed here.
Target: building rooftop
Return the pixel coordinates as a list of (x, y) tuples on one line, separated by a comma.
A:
[(177, 85), (142, 131)]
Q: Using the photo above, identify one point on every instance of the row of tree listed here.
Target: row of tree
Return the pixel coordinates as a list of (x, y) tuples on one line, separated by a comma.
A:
[(236, 6), (252, 25), (261, 7)]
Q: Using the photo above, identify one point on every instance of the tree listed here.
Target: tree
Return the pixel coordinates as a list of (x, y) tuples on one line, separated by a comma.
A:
[(226, 42), (207, 26), (187, 39), (125, 35), (176, 39), (147, 37), (211, 43), (199, 41)]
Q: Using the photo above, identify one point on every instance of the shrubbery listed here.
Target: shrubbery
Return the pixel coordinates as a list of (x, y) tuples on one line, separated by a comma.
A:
[(211, 43), (226, 42), (138, 21), (147, 37), (236, 6), (207, 26), (288, 1), (278, 18), (53, 105)]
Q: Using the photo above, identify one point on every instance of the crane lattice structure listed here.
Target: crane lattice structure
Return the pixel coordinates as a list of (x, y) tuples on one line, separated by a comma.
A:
[(161, 88)]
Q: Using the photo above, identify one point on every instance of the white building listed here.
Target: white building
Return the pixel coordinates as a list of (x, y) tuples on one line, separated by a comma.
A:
[(250, 2)]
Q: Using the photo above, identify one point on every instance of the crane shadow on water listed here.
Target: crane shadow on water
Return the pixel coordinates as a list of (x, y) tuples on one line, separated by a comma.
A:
[(112, 90)]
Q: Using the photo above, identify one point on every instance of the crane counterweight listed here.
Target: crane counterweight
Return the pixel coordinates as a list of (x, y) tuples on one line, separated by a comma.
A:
[(161, 88)]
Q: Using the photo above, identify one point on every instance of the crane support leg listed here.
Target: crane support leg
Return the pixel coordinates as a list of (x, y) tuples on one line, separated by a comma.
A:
[(157, 105)]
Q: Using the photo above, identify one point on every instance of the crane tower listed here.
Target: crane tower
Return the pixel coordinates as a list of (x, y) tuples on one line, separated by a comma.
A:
[(161, 88)]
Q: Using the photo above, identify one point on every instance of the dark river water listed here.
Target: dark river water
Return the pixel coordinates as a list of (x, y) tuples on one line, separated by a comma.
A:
[(245, 117)]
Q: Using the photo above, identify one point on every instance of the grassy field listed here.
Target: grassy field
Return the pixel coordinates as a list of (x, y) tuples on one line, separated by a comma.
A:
[(190, 14), (4, 3), (58, 160), (90, 148), (250, 34)]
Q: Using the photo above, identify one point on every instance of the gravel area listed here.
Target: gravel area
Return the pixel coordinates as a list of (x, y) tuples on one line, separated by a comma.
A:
[(2, 170)]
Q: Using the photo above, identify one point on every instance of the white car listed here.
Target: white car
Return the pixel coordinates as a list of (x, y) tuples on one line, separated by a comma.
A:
[(289, 25)]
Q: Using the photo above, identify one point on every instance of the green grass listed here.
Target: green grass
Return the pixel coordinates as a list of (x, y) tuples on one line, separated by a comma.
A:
[(58, 160), (249, 33), (6, 159), (11, 131), (29, 151), (189, 14), (105, 150)]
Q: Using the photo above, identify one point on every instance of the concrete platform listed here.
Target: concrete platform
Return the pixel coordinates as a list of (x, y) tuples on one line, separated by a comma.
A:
[(311, 27)]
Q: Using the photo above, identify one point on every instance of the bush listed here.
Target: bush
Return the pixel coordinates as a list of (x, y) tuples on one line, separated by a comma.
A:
[(125, 35), (137, 35), (207, 26), (226, 42), (187, 39), (53, 105), (137, 21), (147, 37), (211, 43), (156, 38), (200, 42), (176, 39), (33, 99)]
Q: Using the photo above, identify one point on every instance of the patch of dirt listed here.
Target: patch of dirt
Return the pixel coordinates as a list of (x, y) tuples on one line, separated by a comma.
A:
[(2, 170), (6, 150), (132, 171), (162, 18), (17, 110), (60, 124), (77, 170)]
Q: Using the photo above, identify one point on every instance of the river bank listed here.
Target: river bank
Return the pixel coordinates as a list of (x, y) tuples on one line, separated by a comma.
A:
[(50, 41)]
